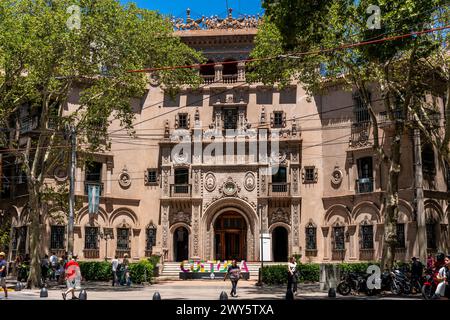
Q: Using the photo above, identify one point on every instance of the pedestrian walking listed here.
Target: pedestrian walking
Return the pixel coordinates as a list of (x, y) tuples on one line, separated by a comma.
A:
[(3, 273), (234, 273), (292, 276), (114, 266), (60, 271), (73, 277), (416, 273)]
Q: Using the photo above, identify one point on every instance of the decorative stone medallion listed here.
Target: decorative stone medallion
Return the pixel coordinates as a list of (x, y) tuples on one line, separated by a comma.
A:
[(60, 173), (336, 176), (210, 182), (250, 181), (124, 179), (229, 187)]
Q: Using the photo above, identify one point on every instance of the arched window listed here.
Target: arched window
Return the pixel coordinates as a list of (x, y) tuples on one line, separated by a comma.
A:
[(366, 235), (311, 236), (339, 237)]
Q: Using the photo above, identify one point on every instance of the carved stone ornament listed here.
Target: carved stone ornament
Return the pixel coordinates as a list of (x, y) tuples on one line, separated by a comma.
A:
[(124, 178), (250, 181), (210, 182), (229, 188), (181, 158), (180, 217), (336, 176), (60, 173), (278, 157), (280, 216)]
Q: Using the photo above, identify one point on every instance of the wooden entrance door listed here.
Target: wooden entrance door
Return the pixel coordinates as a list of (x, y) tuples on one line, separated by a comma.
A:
[(230, 237)]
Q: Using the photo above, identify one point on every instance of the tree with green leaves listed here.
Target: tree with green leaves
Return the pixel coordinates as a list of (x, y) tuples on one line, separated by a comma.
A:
[(51, 49), (309, 38)]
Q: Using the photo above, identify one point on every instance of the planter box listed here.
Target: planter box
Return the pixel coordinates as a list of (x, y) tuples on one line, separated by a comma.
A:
[(207, 275)]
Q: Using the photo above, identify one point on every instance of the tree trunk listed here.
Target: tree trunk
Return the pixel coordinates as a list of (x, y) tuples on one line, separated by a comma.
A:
[(34, 278), (391, 204)]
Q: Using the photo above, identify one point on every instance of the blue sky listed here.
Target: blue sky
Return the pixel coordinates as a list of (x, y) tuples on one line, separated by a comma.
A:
[(201, 7)]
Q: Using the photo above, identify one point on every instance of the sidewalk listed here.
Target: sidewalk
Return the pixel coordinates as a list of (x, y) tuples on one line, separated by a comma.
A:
[(195, 290)]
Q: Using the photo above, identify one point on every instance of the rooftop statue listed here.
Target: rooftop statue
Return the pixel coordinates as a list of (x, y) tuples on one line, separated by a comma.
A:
[(214, 22)]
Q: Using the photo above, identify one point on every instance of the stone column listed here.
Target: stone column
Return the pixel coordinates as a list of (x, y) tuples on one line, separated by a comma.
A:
[(79, 181), (241, 71), (295, 223), (352, 248), (218, 71), (165, 208), (196, 230), (325, 231), (109, 168)]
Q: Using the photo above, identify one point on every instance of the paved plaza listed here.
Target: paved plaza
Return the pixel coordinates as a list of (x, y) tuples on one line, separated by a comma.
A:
[(192, 290)]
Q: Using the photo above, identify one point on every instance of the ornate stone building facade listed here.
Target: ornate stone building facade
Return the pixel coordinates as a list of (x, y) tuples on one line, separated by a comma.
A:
[(300, 170)]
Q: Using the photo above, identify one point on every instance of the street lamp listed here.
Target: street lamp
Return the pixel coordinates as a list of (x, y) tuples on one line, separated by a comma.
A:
[(106, 235)]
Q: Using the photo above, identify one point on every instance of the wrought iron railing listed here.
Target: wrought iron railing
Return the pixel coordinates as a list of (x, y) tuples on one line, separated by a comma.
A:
[(180, 190), (279, 189), (364, 185)]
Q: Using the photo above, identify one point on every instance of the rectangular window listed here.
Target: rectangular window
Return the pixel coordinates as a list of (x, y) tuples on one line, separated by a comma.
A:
[(339, 238), (57, 237), (365, 175), (181, 176), (311, 242), (280, 176), (310, 175), (401, 235), (278, 119), (123, 238), (360, 110), (183, 121), (152, 176), (94, 171), (230, 117), (367, 237), (91, 238), (431, 236)]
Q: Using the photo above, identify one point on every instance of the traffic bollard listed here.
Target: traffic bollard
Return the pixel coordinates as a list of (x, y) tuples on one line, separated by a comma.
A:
[(223, 296), (332, 293), (83, 295), (156, 296), (43, 293)]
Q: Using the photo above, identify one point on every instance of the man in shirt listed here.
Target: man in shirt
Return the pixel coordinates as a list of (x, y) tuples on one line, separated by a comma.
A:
[(3, 273), (114, 265), (53, 264), (73, 277)]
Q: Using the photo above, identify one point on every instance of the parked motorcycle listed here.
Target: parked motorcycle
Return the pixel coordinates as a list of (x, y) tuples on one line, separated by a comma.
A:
[(356, 282), (430, 284), (400, 283)]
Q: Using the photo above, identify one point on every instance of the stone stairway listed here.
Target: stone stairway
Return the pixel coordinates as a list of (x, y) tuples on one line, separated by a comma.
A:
[(171, 270)]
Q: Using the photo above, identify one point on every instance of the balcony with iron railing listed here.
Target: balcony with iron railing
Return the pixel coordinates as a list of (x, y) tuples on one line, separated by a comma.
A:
[(180, 190), (364, 185), (279, 189)]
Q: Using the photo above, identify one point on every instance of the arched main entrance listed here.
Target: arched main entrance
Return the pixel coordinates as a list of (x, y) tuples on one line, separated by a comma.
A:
[(230, 237), (280, 244), (181, 244)]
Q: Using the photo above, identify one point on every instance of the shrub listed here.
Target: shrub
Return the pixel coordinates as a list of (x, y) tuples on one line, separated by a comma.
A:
[(141, 271), (360, 267), (101, 271), (154, 259), (276, 274), (96, 270), (309, 272)]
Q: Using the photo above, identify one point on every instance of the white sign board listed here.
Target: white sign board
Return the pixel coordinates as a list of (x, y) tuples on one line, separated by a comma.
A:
[(266, 247)]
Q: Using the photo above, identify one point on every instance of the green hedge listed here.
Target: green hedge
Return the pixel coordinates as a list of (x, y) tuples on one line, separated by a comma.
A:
[(101, 271), (309, 272)]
